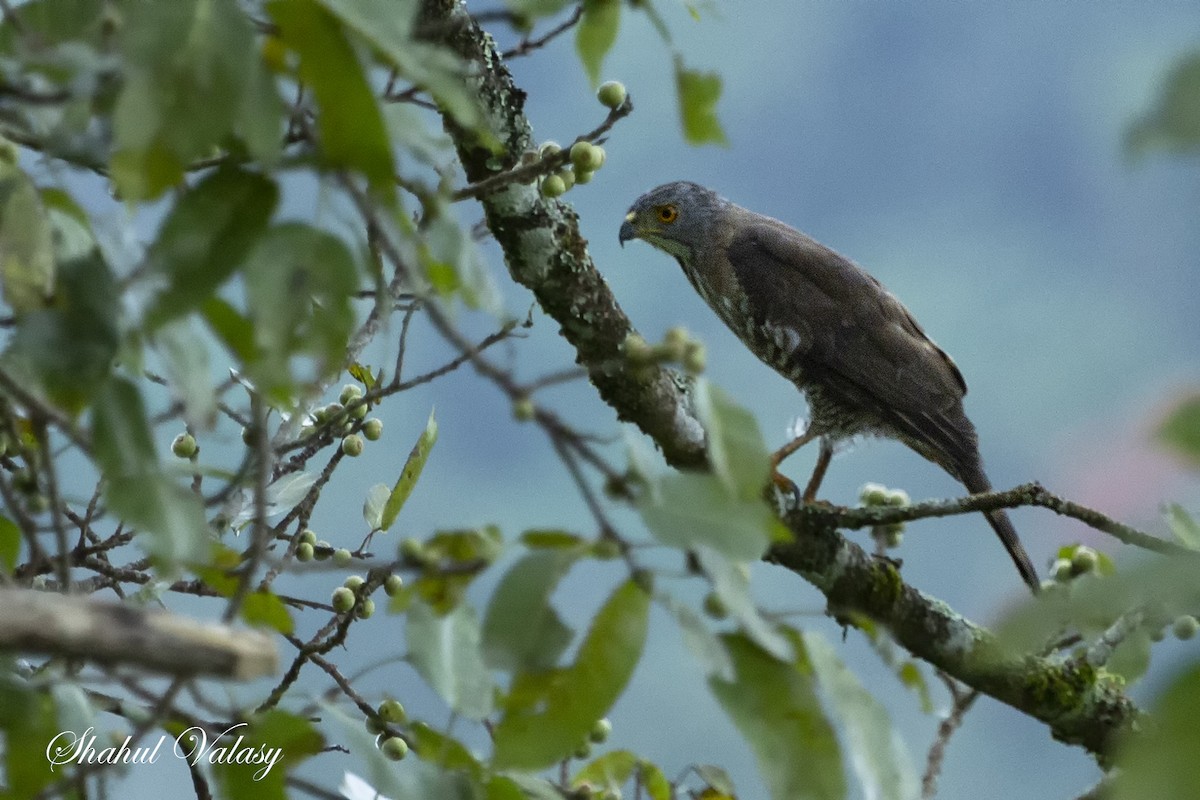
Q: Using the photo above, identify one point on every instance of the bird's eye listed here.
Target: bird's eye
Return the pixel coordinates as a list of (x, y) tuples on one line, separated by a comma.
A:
[(667, 214)]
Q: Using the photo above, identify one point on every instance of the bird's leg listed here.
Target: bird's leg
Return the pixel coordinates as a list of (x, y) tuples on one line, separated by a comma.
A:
[(823, 459), (779, 455)]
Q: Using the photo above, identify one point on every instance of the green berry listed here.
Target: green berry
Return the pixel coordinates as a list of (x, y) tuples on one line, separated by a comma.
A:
[(332, 410), (394, 748), (372, 429), (611, 94), (342, 557), (637, 350), (714, 606), (342, 600), (304, 552), (248, 435), (584, 750), (1061, 570), (392, 711), (308, 536), (352, 445), (893, 535), (568, 177), (353, 582), (393, 585), (350, 392), (549, 148), (873, 494), (1185, 627), (375, 726), (583, 176), (600, 731), (359, 411), (581, 155), (184, 445), (523, 409), (413, 550), (694, 357), (1083, 560), (896, 497), (366, 609), (553, 186)]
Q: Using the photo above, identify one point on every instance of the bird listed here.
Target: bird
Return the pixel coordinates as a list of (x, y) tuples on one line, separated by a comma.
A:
[(863, 362)]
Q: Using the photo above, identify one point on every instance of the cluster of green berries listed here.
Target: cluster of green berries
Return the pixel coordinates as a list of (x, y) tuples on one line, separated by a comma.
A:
[(875, 494), (678, 346), (346, 418), (1074, 562), (308, 548), (389, 712), (585, 157), (597, 735)]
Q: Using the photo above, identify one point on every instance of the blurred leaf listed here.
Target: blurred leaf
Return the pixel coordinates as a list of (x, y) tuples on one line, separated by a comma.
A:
[(384, 777), (189, 373), (432, 67), (716, 778), (265, 608), (447, 752), (377, 497), (30, 723), (121, 436), (596, 33), (70, 229), (550, 714), (446, 652), (188, 66), (880, 758), (529, 787), (1131, 658), (538, 8), (550, 539), (299, 286), (774, 705), (736, 449), (234, 330), (411, 472), (656, 783), (521, 631), (1183, 525), (698, 96), (10, 545), (26, 247), (52, 22), (452, 263), (407, 128), (70, 347), (1174, 124), (1181, 429), (349, 124), (690, 509), (703, 643), (289, 737), (282, 495), (1159, 760), (607, 773), (206, 237), (731, 583)]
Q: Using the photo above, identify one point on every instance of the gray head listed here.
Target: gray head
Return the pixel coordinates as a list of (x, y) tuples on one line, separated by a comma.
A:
[(675, 217)]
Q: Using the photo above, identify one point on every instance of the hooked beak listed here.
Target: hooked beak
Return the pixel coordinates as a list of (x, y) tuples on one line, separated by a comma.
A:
[(627, 230)]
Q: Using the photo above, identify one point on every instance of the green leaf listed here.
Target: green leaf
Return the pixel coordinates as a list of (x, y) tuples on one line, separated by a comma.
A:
[(698, 96), (49, 23), (608, 773), (521, 631), (234, 330), (299, 286), (188, 65), (1181, 430), (30, 723), (550, 714), (1183, 525), (350, 127), (452, 263), (70, 229), (538, 8), (447, 752), (10, 545), (1160, 759), (277, 734), (121, 436), (1174, 124), (703, 643), (445, 651), (691, 509), (596, 34), (550, 539), (206, 237), (26, 248), (265, 608), (411, 472), (377, 497), (736, 448), (774, 705), (69, 348), (880, 759), (655, 782), (188, 371), (731, 583)]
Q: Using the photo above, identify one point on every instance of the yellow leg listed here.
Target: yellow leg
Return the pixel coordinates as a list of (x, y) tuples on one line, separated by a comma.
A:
[(814, 483)]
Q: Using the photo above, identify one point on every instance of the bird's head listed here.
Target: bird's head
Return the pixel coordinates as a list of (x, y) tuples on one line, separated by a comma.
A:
[(673, 217)]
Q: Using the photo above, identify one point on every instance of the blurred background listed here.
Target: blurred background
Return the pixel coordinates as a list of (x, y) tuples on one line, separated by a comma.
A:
[(970, 156)]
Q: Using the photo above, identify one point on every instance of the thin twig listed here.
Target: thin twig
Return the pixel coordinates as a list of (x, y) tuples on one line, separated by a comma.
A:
[(963, 700), (529, 45)]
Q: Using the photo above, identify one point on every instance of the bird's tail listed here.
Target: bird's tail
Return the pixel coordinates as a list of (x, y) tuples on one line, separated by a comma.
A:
[(977, 482)]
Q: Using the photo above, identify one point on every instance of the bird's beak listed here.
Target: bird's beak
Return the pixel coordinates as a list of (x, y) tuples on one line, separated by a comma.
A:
[(627, 230)]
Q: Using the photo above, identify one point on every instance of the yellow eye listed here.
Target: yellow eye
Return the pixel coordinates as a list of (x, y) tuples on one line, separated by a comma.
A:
[(667, 214)]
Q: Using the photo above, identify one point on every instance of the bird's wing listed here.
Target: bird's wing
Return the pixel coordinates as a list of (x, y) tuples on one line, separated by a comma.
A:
[(855, 338)]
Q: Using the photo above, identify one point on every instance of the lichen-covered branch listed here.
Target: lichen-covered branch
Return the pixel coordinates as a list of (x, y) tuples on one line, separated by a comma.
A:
[(545, 252)]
